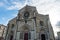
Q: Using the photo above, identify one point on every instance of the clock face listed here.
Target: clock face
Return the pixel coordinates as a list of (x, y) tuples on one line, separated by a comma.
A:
[(26, 14)]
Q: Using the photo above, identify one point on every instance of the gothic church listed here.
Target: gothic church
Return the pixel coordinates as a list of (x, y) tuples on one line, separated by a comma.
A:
[(29, 25)]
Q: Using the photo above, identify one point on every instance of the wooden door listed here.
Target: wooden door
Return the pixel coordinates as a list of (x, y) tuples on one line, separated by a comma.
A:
[(26, 36)]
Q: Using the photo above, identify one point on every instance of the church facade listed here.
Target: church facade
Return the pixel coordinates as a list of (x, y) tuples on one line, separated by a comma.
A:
[(29, 25)]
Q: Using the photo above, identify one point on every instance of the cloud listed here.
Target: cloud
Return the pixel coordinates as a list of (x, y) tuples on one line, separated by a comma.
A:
[(16, 5), (58, 24), (3, 18), (56, 30), (4, 21), (42, 5), (1, 4)]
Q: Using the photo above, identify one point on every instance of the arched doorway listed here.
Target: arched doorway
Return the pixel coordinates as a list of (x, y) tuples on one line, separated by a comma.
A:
[(26, 32), (43, 37)]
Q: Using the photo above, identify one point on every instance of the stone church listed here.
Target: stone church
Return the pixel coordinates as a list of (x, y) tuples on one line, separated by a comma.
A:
[(29, 25)]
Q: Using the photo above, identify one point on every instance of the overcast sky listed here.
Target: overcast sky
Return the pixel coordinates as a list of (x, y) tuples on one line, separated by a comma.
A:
[(9, 9)]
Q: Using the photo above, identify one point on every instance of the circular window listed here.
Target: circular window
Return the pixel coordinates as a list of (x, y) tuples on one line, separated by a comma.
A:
[(26, 15)]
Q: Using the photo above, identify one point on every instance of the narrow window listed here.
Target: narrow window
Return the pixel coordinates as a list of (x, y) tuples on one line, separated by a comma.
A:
[(41, 23), (12, 25)]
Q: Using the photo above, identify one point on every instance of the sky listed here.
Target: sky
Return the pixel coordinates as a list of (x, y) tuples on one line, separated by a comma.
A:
[(9, 9)]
